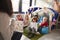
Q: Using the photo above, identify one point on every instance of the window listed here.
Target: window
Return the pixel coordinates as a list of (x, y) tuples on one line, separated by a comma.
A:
[(25, 5), (15, 4)]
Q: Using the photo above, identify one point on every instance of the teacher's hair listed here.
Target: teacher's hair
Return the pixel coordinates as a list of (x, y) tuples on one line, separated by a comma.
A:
[(6, 6)]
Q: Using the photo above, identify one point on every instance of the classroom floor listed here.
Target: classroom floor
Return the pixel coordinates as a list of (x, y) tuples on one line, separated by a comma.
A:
[(55, 35), (24, 38)]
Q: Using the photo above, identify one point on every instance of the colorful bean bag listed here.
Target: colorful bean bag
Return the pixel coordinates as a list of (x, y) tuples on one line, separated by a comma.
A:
[(44, 30)]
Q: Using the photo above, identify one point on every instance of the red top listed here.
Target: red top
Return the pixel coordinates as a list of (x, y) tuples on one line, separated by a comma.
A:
[(44, 24)]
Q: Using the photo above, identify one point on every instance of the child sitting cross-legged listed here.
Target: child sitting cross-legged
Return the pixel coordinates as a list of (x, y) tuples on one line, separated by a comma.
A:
[(32, 28), (26, 21), (44, 23)]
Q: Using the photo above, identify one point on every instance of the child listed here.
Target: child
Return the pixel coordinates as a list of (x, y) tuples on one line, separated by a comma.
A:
[(26, 21), (18, 28), (44, 23), (33, 28)]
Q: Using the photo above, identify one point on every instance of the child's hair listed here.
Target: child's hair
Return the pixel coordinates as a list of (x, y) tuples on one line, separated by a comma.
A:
[(19, 15), (26, 16), (34, 19), (36, 16), (45, 18)]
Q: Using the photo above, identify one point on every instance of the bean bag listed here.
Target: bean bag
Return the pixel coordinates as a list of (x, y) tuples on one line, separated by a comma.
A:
[(44, 30)]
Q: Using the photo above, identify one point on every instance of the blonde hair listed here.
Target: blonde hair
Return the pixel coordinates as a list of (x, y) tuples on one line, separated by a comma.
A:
[(45, 18), (26, 16)]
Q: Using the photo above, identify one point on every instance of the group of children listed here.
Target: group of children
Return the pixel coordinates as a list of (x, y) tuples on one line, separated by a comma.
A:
[(33, 25)]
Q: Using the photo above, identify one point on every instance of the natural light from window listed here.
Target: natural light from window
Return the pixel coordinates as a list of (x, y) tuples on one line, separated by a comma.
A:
[(26, 3)]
